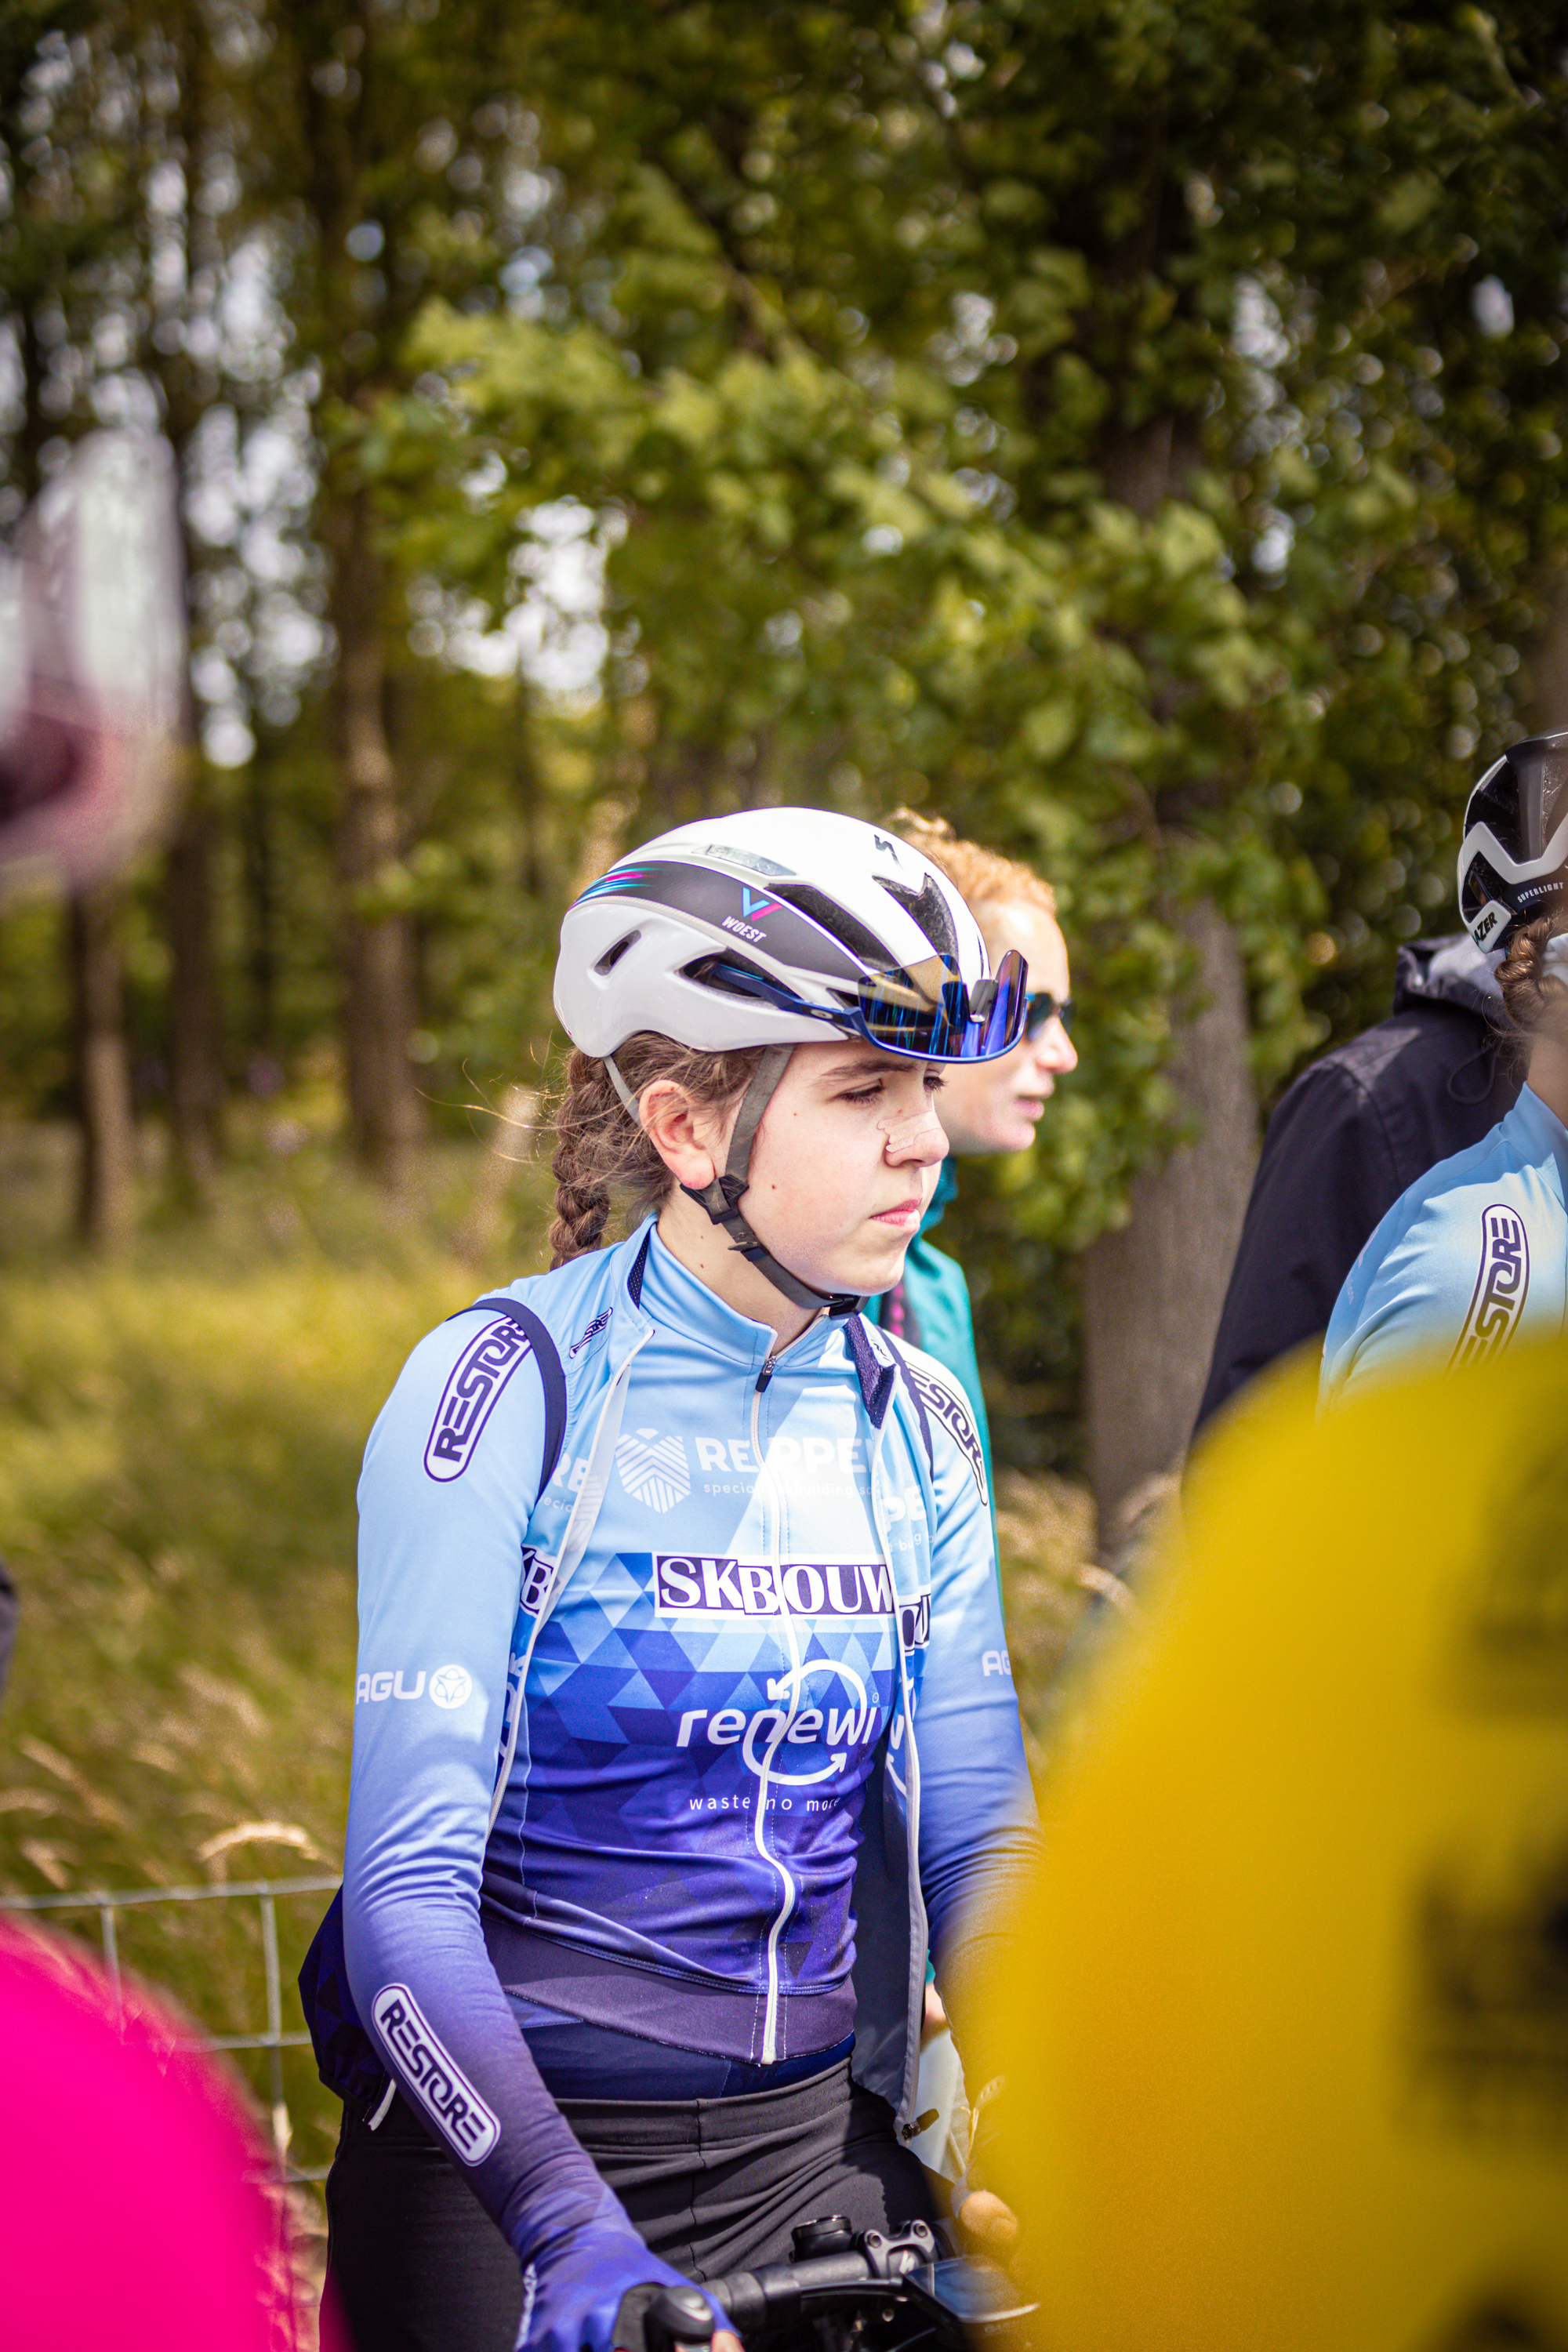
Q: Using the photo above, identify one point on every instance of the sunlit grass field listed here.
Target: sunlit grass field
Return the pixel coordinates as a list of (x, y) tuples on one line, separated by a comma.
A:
[(180, 1435)]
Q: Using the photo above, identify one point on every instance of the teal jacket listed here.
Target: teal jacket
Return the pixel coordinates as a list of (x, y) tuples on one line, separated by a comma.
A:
[(930, 1308)]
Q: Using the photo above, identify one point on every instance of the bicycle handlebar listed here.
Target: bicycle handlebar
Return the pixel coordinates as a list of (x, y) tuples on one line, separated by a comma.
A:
[(837, 2270)]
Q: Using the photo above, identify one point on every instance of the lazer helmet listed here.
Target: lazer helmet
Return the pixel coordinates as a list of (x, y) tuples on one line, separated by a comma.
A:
[(778, 928), (1513, 851)]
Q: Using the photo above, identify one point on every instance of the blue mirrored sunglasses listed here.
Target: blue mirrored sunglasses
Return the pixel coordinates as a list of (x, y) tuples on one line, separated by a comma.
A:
[(897, 1011), (1040, 1008)]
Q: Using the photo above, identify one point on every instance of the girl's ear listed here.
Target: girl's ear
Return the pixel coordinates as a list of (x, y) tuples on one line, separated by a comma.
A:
[(681, 1131)]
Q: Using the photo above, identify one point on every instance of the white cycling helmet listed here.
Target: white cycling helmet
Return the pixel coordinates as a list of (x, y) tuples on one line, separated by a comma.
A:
[(777, 927), (1513, 846)]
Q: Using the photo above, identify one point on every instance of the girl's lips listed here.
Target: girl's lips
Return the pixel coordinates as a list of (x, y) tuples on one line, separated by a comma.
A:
[(907, 1212)]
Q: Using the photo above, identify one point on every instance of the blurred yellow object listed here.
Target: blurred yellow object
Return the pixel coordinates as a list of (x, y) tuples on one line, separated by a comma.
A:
[(1292, 2068)]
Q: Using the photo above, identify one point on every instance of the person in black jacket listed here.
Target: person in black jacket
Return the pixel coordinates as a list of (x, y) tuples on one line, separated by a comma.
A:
[(1353, 1132)]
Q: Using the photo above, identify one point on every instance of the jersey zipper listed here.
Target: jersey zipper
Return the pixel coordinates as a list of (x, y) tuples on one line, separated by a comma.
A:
[(767, 1480)]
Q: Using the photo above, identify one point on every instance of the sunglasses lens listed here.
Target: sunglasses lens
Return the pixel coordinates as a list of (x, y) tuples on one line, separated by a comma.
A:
[(1005, 1015), (1044, 1008), (900, 1016)]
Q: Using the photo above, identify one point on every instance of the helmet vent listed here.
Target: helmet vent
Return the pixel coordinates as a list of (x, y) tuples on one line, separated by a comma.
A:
[(928, 909), (612, 955), (734, 976), (836, 920)]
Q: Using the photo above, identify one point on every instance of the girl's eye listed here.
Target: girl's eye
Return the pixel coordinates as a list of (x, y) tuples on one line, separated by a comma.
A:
[(864, 1094), (934, 1082)]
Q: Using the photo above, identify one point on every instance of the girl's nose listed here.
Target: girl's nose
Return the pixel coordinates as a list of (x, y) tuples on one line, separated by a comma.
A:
[(915, 1135)]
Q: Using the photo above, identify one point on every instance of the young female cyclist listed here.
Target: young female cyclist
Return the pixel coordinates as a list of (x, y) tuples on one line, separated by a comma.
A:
[(984, 1107), (1476, 1249), (671, 1760)]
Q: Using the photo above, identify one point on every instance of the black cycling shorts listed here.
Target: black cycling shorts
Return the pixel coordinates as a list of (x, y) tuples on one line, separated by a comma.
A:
[(714, 2185)]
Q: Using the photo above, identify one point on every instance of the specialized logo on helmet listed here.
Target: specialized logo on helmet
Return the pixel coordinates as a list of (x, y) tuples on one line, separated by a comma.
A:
[(439, 2082), (653, 1469), (451, 1686), (1502, 1282), (469, 1397)]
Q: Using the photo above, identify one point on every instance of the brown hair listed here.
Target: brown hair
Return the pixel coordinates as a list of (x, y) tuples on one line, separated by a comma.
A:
[(982, 878), (1536, 999), (603, 1156)]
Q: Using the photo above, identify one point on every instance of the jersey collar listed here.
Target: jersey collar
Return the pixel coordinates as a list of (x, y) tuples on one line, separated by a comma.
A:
[(676, 1301)]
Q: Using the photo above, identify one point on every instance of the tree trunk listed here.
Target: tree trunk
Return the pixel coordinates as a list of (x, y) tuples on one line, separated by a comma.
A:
[(261, 909), (190, 385), (108, 1149), (378, 964), (1152, 1291), (195, 1068)]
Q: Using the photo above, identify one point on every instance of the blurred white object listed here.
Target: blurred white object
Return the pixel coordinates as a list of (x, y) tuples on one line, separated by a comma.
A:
[(943, 2146), (92, 665)]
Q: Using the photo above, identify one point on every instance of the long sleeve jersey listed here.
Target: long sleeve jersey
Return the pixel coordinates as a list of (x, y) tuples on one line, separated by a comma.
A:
[(707, 1741), (1473, 1255)]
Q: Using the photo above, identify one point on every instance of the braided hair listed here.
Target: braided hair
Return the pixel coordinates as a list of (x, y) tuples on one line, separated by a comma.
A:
[(604, 1157), (1535, 996)]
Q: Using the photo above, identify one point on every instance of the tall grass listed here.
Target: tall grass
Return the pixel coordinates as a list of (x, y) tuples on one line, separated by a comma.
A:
[(180, 1437)]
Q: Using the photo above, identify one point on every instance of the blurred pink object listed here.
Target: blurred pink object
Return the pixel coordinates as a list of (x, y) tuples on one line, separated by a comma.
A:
[(130, 2214), (92, 655)]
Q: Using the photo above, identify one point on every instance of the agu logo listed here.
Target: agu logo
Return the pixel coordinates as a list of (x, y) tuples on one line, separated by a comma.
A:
[(654, 1469), (451, 1685), (435, 2076)]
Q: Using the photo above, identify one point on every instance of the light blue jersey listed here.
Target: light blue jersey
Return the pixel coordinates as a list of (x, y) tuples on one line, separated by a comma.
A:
[(1473, 1255), (705, 1743)]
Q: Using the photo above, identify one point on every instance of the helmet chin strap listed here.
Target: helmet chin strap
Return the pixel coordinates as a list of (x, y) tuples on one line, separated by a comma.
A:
[(721, 1198)]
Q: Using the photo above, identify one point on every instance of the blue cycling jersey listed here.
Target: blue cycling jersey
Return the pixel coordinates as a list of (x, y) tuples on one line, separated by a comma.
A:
[(1474, 1253), (707, 1742)]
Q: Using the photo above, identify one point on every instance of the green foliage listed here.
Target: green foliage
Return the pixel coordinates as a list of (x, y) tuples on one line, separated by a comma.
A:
[(957, 380), (1103, 425)]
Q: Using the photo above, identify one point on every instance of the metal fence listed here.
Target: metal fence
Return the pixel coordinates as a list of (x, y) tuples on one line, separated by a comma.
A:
[(265, 1892)]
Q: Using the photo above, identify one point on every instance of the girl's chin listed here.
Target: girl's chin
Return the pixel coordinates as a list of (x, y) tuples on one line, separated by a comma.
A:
[(881, 1268)]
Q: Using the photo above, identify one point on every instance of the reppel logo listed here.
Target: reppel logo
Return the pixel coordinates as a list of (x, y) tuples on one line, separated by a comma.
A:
[(653, 1469)]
